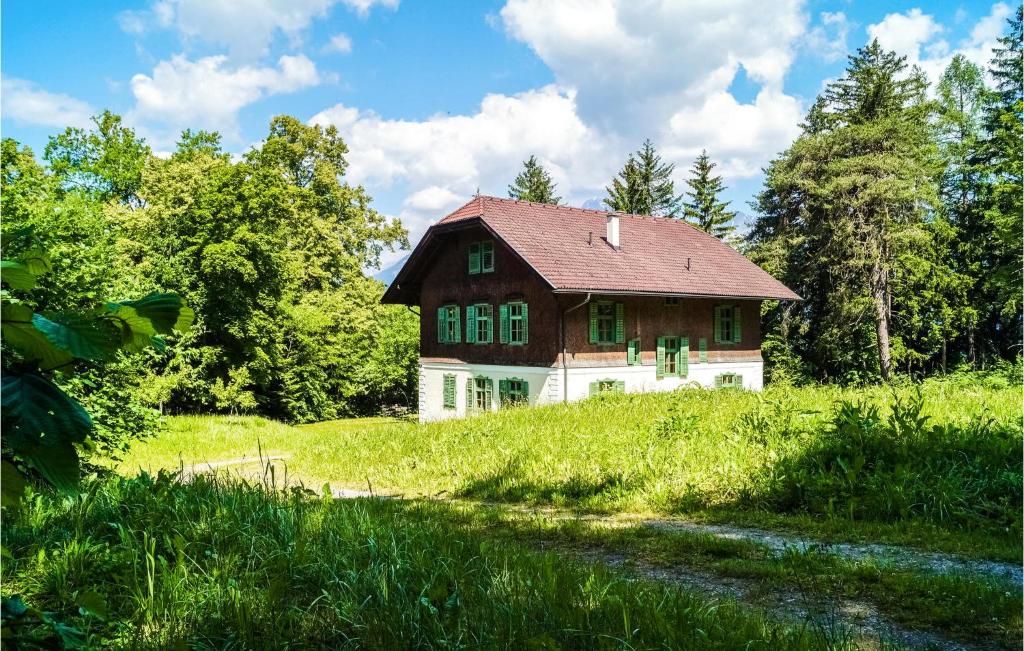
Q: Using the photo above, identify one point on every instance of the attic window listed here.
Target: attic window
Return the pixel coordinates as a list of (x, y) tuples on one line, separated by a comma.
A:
[(671, 300), (481, 257)]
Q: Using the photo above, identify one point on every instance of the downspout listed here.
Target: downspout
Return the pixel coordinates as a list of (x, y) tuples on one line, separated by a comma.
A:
[(561, 335)]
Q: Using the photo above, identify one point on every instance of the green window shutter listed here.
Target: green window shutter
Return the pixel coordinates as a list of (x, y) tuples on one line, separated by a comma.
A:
[(442, 324), (737, 381), (503, 392), (620, 325), (718, 324), (526, 324), (470, 324), (620, 386), (458, 326), (449, 392), (737, 329), (660, 370), (487, 256), (505, 330), (684, 356), (526, 392), (718, 381), (702, 348), (469, 395), (593, 323), (474, 258), (633, 352), (490, 391)]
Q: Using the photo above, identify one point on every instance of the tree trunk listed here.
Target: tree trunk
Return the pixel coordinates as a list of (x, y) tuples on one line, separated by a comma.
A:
[(971, 355), (880, 297)]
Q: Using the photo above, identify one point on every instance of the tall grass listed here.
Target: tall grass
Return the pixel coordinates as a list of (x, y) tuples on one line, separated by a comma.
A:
[(152, 563), (946, 453)]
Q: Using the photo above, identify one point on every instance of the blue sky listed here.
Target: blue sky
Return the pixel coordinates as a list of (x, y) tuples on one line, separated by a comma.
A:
[(437, 99)]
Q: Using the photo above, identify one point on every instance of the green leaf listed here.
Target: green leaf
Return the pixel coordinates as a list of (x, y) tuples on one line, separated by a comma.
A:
[(92, 603), (16, 275), (166, 312), (41, 423), (18, 329), (36, 260), (82, 337), (12, 484)]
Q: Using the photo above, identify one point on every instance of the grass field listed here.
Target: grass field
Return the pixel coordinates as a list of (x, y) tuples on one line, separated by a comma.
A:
[(150, 562), (156, 564), (936, 465)]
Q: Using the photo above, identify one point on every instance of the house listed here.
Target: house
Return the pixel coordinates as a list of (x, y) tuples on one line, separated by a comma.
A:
[(526, 303)]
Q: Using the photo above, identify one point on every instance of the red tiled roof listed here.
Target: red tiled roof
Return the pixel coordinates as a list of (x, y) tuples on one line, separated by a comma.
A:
[(656, 255)]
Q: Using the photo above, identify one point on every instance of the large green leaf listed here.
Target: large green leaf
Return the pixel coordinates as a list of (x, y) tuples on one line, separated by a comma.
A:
[(142, 320), (16, 275), (19, 330), (36, 260), (12, 484), (41, 423), (166, 312), (82, 337)]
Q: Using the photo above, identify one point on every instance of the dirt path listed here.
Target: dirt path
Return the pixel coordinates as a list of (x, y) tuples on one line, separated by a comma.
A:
[(829, 617), (894, 555)]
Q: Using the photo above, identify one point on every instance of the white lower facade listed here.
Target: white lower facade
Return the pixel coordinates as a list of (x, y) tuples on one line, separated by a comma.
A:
[(554, 384)]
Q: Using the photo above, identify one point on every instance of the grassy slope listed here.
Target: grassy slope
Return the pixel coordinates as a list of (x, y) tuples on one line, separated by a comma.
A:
[(714, 455), (135, 563)]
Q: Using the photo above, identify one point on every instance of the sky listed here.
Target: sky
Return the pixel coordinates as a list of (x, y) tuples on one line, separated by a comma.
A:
[(438, 100)]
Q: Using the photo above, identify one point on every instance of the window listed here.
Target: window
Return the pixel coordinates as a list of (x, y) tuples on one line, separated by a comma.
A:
[(479, 324), (481, 257), (514, 323), (607, 323), (673, 357), (449, 391), (479, 394), (633, 353), (727, 324), (514, 391), (671, 300), (448, 330), (729, 381), (607, 386)]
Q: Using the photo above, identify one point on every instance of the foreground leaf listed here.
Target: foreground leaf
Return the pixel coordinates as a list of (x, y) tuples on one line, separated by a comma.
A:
[(19, 330)]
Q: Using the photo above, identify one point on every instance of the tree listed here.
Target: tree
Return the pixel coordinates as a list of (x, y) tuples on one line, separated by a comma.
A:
[(42, 424), (644, 186), (856, 197), (961, 98), (704, 210), (107, 161), (1001, 155), (533, 184)]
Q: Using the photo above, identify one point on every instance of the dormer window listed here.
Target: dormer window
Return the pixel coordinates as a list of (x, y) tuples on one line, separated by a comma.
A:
[(481, 257)]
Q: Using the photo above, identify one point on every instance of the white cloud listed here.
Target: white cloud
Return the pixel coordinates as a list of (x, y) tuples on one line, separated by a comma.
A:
[(636, 62), (26, 103), (731, 131), (905, 33), (916, 36), (827, 40), (340, 43), (207, 93), (245, 27)]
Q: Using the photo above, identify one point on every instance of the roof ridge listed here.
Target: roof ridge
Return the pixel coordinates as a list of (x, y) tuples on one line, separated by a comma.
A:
[(590, 210)]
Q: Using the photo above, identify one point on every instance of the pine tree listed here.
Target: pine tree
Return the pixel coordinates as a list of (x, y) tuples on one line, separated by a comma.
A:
[(704, 210), (849, 215), (644, 186), (1002, 155), (533, 184)]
